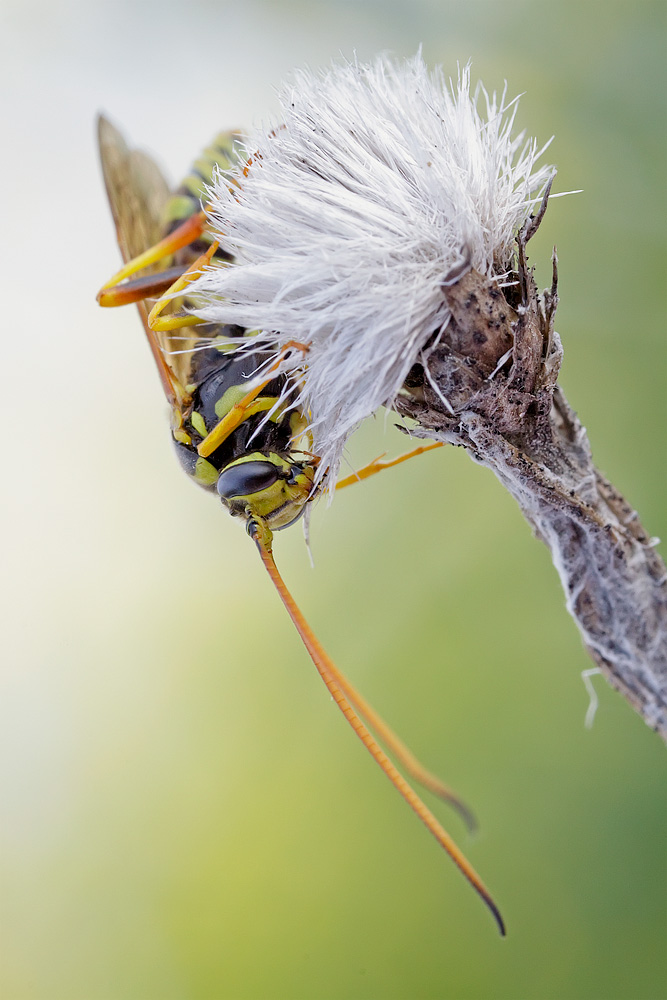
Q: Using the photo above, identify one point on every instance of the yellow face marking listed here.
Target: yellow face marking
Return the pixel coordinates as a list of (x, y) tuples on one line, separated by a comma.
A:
[(279, 504)]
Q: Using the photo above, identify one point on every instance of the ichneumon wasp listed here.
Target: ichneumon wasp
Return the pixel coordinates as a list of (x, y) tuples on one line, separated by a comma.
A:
[(234, 425)]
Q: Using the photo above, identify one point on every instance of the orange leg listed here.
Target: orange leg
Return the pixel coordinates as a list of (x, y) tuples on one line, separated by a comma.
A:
[(119, 291), (148, 286), (182, 236), (175, 392), (377, 465), (245, 407), (160, 323), (234, 418)]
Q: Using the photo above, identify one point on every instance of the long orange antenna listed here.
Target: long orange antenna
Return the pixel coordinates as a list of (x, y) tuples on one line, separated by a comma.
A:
[(330, 674), (404, 755)]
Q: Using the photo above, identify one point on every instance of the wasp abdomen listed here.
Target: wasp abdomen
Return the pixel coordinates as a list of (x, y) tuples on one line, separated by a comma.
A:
[(188, 198)]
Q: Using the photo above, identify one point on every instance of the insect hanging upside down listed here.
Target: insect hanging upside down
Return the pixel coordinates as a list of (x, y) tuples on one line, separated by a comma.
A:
[(236, 427)]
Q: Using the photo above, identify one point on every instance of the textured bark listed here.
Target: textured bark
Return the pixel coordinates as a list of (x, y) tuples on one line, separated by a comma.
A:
[(490, 386)]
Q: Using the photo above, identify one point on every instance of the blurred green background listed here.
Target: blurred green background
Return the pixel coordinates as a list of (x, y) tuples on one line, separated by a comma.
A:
[(184, 812)]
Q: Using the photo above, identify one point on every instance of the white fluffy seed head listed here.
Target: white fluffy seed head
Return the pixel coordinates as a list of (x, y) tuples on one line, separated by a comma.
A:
[(377, 181)]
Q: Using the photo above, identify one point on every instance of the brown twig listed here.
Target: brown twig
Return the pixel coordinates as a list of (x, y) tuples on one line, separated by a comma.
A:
[(491, 387)]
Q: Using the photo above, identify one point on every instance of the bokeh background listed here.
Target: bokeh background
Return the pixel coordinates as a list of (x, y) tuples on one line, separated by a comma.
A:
[(184, 814)]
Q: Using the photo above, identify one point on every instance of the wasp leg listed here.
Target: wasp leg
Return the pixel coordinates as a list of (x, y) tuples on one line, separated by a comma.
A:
[(249, 404), (148, 286), (377, 465), (246, 407), (177, 396), (182, 236), (175, 392), (159, 323), (332, 677)]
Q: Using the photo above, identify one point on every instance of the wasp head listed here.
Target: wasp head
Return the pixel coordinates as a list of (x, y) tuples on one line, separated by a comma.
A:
[(267, 487)]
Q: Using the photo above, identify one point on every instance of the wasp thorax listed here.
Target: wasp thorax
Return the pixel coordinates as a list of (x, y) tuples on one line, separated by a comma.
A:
[(268, 487)]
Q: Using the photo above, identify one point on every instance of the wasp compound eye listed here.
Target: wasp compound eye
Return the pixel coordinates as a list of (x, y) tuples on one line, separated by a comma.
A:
[(245, 479)]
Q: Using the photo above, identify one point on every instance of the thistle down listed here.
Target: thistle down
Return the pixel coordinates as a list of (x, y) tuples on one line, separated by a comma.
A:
[(347, 216)]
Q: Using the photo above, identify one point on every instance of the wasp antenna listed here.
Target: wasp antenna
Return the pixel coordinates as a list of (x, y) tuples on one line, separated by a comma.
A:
[(331, 677), (398, 749)]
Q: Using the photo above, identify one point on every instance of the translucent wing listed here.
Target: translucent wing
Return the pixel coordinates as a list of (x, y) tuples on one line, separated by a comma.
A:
[(136, 188), (144, 210), (138, 193)]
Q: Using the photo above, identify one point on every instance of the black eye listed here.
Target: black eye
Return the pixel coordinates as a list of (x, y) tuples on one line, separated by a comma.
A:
[(248, 477)]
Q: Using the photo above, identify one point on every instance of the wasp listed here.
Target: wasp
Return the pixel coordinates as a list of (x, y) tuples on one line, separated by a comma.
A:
[(236, 428)]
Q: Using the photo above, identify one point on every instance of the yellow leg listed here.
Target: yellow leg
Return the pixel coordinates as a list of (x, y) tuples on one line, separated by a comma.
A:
[(182, 236), (239, 412), (377, 465), (159, 323), (148, 286), (245, 407)]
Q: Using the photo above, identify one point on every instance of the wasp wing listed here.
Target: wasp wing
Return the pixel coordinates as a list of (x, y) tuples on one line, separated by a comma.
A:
[(138, 193), (144, 209), (136, 188)]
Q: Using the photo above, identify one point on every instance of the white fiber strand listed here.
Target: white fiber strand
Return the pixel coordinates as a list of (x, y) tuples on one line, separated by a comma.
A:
[(352, 211)]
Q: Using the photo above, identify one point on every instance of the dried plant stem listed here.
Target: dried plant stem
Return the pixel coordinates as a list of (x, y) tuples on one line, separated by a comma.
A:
[(516, 420)]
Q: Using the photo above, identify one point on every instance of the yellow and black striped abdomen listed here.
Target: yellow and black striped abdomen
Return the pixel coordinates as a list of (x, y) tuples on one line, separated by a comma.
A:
[(187, 199)]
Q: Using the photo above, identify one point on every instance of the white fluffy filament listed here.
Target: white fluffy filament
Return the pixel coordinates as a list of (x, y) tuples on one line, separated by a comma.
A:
[(378, 180)]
